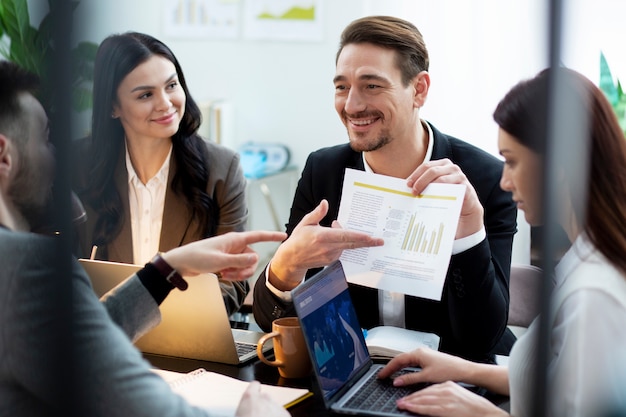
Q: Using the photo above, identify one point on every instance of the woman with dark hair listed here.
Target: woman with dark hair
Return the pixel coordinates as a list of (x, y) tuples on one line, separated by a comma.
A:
[(149, 182), (588, 312)]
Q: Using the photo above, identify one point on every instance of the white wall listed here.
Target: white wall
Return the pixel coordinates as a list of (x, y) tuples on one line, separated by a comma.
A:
[(283, 92), (591, 26)]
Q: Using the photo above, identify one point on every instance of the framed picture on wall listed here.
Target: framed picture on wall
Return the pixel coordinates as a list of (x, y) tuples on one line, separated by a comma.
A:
[(283, 20), (201, 19)]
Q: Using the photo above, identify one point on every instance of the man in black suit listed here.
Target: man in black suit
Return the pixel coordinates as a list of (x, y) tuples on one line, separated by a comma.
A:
[(381, 82)]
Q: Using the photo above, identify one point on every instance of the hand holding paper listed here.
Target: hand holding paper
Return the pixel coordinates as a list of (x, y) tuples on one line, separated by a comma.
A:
[(445, 172), (418, 231)]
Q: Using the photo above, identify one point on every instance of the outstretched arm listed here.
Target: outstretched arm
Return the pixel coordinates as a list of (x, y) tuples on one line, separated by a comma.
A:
[(134, 304), (228, 254)]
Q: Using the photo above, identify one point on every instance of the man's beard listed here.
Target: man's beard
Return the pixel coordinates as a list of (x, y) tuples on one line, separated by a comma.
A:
[(32, 197), (368, 146)]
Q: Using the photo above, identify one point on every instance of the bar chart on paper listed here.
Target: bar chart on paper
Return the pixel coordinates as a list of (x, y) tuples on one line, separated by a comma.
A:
[(419, 238)]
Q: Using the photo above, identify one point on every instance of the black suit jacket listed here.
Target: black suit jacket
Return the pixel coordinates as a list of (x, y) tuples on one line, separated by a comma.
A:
[(472, 315)]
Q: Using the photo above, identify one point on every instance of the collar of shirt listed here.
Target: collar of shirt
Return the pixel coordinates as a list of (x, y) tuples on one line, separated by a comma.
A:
[(581, 250), (161, 175)]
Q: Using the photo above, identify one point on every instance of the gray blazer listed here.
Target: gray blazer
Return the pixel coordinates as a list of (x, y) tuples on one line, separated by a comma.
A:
[(111, 377)]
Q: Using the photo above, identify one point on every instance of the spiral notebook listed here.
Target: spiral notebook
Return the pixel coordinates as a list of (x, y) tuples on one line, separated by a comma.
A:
[(221, 394)]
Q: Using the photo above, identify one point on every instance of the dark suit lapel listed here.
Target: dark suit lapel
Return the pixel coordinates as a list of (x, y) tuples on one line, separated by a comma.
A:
[(121, 248), (356, 161), (333, 190), (441, 145), (176, 216)]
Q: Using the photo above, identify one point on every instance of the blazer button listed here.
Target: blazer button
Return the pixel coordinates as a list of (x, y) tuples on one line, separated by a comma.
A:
[(460, 291), (277, 312)]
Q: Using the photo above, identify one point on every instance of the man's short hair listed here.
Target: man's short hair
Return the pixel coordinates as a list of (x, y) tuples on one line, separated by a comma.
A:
[(14, 81), (392, 33)]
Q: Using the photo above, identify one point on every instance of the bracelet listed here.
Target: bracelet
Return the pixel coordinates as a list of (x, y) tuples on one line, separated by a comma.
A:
[(171, 275)]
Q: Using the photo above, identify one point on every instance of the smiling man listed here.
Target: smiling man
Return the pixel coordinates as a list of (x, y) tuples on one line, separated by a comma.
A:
[(381, 82)]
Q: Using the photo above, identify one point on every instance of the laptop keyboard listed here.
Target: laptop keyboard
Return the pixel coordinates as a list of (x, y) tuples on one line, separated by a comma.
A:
[(244, 348), (380, 395)]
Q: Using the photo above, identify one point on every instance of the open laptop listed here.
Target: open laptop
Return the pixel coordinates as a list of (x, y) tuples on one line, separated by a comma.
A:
[(342, 365), (345, 373), (194, 323)]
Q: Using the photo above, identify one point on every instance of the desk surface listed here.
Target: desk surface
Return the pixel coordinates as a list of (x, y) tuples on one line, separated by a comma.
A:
[(257, 370)]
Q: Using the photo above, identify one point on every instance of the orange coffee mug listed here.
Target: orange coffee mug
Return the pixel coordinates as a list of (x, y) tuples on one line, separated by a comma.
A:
[(292, 357)]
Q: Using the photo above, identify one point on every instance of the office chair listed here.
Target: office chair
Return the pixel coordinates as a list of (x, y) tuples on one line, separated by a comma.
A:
[(265, 190), (524, 305)]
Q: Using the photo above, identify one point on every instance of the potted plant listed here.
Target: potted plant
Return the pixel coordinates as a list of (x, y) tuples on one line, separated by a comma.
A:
[(613, 91), (32, 48)]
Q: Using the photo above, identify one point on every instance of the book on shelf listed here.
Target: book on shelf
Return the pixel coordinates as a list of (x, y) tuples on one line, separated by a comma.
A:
[(385, 342), (220, 393)]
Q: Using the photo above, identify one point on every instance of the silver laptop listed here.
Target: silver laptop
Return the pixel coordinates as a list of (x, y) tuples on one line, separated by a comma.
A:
[(194, 322), (344, 371)]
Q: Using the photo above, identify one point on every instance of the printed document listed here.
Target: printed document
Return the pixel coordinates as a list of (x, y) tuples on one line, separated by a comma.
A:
[(418, 232)]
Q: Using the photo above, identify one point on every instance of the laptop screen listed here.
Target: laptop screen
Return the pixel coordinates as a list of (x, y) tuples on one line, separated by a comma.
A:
[(331, 329)]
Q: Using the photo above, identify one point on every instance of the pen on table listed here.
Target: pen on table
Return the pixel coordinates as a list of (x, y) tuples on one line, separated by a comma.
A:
[(93, 252)]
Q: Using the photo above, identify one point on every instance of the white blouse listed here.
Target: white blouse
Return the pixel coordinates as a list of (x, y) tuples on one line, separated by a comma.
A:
[(146, 203), (587, 349)]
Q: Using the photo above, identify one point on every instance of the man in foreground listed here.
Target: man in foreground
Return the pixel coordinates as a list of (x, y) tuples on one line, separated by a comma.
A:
[(110, 377)]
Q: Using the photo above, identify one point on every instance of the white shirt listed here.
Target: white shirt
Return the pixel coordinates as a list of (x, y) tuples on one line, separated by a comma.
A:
[(146, 203), (391, 304), (586, 367)]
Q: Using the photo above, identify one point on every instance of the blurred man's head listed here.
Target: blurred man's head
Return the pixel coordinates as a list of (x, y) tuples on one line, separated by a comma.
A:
[(26, 156)]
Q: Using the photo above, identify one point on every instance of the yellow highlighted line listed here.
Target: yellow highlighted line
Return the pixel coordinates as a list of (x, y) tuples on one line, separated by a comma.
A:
[(404, 193)]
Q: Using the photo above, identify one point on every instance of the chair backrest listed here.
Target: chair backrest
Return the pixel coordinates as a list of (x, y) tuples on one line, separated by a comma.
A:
[(265, 190), (524, 287)]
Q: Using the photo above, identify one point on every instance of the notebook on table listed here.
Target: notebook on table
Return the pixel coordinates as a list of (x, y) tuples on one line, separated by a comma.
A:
[(194, 322)]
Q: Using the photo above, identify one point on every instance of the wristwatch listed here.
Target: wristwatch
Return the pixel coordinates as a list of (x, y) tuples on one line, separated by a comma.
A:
[(171, 275)]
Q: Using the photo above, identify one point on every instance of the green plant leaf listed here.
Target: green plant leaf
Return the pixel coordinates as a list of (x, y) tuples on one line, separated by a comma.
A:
[(2, 29), (16, 19), (33, 49), (82, 99), (606, 80), (83, 58)]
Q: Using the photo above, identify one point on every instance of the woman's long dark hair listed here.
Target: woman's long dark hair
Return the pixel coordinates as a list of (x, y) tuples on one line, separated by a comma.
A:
[(523, 114), (117, 56)]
